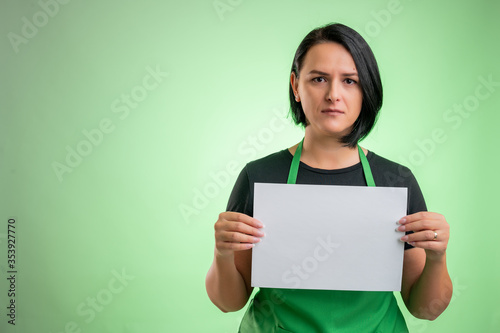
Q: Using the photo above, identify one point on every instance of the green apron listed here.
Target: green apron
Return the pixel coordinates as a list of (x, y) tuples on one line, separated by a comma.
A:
[(339, 311)]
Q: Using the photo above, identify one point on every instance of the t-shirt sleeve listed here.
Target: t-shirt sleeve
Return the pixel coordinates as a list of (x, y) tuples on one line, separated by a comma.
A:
[(241, 200), (416, 202)]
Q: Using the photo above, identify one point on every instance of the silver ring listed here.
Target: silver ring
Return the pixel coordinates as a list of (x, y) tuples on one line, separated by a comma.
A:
[(435, 235)]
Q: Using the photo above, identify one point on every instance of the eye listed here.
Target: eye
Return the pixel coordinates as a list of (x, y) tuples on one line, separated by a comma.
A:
[(319, 79), (350, 81)]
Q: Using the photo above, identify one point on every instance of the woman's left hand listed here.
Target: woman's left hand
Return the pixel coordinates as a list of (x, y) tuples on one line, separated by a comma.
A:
[(430, 232)]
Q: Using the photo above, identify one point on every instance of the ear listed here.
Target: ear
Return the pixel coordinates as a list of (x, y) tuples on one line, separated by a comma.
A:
[(294, 81)]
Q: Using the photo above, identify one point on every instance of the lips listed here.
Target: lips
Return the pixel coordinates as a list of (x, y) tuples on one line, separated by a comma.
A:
[(332, 112)]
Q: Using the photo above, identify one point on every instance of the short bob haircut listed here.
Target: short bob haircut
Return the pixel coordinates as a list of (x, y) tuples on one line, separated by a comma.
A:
[(368, 73)]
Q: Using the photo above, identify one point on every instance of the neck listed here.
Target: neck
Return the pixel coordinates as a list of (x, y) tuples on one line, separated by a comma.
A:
[(327, 152)]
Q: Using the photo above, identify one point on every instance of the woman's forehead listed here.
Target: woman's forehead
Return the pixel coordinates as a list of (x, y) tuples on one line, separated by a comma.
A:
[(328, 56)]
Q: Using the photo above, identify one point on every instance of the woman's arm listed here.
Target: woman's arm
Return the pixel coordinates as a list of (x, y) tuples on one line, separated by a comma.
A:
[(426, 286), (228, 279)]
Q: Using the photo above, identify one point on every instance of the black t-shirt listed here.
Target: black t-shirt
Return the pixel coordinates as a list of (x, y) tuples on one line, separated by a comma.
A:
[(274, 168)]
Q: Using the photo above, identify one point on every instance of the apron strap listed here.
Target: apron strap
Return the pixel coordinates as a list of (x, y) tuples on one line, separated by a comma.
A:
[(294, 167), (366, 168)]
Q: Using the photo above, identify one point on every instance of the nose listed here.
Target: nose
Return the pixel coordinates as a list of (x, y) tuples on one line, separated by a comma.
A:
[(333, 93)]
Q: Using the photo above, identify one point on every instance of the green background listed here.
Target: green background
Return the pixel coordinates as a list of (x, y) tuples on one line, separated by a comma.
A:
[(143, 201)]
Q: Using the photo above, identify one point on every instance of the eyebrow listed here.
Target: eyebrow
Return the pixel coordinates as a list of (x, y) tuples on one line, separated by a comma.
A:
[(315, 71)]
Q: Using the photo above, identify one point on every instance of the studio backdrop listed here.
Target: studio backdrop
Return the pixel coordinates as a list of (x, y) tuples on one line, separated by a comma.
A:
[(124, 125)]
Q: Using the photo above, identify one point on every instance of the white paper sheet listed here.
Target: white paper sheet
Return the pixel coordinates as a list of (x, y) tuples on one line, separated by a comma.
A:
[(329, 237)]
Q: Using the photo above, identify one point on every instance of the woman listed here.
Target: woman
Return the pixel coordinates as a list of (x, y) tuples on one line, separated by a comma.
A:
[(335, 93)]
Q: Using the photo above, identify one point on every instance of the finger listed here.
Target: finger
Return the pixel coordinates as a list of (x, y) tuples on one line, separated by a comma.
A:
[(235, 242), (425, 235), (420, 225), (420, 216), (244, 229), (240, 217), (238, 227), (236, 237), (422, 221), (430, 245), (221, 246)]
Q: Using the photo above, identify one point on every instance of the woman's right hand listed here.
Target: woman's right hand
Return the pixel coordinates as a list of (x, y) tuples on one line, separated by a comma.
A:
[(236, 232)]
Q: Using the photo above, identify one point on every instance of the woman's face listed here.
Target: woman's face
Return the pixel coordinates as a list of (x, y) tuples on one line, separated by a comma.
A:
[(328, 89)]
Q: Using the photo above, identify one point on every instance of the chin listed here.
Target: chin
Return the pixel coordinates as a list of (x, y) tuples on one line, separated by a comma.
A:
[(336, 131)]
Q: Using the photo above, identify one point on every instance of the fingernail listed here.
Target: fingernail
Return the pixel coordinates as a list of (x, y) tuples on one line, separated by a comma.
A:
[(404, 238), (403, 220), (401, 228), (412, 243), (256, 239)]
